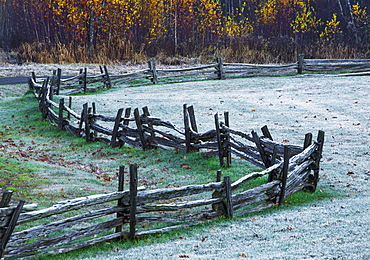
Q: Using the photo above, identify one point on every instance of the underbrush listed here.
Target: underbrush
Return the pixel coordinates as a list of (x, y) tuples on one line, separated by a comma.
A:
[(256, 50)]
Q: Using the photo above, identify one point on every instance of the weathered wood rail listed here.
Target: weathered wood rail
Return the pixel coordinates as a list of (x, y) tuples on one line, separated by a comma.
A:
[(143, 131), (82, 222), (86, 221), (82, 82), (332, 65)]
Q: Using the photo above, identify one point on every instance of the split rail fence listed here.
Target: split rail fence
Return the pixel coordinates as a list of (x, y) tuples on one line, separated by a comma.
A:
[(82, 222), (83, 82)]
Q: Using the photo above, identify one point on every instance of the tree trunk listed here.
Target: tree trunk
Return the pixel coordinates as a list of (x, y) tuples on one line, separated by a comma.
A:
[(91, 35)]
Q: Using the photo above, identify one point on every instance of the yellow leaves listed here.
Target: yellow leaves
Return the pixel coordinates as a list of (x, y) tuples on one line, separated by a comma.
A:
[(359, 15), (267, 12), (238, 28), (305, 20), (331, 30)]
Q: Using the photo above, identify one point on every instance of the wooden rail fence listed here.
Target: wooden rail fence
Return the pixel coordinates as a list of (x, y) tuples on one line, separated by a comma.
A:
[(127, 214), (361, 66), (81, 222), (82, 82), (143, 131)]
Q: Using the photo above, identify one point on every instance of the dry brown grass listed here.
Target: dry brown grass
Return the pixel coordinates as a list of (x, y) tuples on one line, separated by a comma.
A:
[(68, 53), (257, 50)]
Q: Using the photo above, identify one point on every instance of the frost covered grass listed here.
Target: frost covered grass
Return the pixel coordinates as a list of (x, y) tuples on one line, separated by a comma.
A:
[(333, 224)]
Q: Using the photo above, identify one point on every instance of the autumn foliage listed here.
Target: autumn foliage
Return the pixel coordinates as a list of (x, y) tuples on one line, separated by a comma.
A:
[(248, 30)]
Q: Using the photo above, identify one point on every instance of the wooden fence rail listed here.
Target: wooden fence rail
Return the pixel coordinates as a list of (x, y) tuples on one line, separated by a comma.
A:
[(332, 65), (143, 131), (85, 221), (81, 222), (82, 82)]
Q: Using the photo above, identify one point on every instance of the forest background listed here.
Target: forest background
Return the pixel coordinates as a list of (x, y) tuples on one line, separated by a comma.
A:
[(253, 31)]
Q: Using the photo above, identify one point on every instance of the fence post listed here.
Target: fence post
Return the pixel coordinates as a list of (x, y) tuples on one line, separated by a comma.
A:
[(85, 118), (52, 84), (41, 98), (218, 176), (107, 83), (150, 125), (187, 129), (219, 142), (43, 103), (272, 174), (140, 130), (61, 109), (70, 106), (84, 80), (133, 199), (33, 75), (300, 63), (266, 132), (127, 115), (95, 134), (220, 68), (115, 128), (227, 139), (318, 156), (80, 83), (223, 141), (192, 119), (121, 181), (153, 69), (229, 202), (218, 193), (284, 174), (13, 222), (260, 149), (5, 198), (58, 80), (307, 140)]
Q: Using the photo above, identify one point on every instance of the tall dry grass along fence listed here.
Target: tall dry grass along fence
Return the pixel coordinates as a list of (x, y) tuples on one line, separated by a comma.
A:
[(82, 222), (82, 82)]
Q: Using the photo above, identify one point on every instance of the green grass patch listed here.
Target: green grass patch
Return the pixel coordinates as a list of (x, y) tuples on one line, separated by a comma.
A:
[(296, 200), (18, 176), (46, 165)]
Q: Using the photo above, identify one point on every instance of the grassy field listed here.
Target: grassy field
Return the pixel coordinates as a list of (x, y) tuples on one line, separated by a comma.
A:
[(44, 165)]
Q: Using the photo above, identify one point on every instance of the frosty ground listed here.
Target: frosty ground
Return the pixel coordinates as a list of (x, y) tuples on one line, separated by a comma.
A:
[(336, 228)]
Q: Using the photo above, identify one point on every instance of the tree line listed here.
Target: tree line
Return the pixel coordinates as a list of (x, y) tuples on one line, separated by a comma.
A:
[(184, 27)]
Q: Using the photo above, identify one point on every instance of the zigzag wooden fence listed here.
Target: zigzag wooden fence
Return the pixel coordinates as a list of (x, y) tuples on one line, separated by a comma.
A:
[(86, 221), (83, 82), (144, 131)]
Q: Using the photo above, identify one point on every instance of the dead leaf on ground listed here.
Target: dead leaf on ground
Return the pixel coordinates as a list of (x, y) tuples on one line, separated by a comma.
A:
[(185, 166)]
